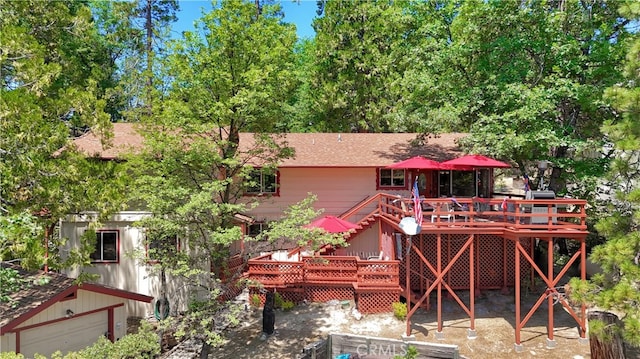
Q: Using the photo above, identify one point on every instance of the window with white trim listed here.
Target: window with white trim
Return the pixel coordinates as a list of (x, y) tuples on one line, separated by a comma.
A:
[(106, 250)]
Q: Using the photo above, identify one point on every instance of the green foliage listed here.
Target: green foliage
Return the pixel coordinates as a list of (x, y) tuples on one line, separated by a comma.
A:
[(357, 65), (21, 238), (279, 302), (399, 310), (412, 353), (291, 227), (55, 72), (10, 355), (617, 290), (255, 301), (12, 282), (143, 344)]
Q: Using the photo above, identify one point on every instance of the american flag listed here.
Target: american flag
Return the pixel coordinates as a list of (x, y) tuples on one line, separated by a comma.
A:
[(417, 206)]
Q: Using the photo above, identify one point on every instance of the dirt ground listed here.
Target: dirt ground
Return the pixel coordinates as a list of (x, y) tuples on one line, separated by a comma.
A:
[(495, 323)]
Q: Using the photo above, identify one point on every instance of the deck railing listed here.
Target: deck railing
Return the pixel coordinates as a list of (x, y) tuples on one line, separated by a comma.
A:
[(333, 270), (563, 214), (516, 214)]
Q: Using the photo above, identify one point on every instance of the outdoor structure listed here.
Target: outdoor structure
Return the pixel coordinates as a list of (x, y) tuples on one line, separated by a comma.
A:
[(121, 260), (484, 245), (52, 313), (470, 238), (338, 181)]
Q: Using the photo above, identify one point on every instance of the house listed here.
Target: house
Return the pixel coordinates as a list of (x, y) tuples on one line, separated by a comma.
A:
[(51, 312), (470, 239), (341, 169)]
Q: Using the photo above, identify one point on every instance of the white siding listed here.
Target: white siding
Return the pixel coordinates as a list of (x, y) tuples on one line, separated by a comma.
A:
[(130, 273), (85, 302), (8, 343), (68, 335)]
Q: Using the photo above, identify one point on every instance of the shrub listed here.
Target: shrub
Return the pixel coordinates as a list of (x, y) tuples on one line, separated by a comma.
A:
[(412, 353), (255, 301), (287, 305), (399, 310), (143, 344), (278, 300)]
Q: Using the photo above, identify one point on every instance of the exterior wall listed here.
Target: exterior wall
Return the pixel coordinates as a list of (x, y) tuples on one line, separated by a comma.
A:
[(8, 343), (364, 245), (72, 334), (130, 273), (85, 301), (337, 189), (53, 329)]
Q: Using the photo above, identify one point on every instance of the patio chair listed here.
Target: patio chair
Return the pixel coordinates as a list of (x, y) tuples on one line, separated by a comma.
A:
[(458, 207), (446, 212)]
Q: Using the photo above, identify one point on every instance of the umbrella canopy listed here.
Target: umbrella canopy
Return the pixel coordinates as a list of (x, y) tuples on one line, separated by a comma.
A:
[(473, 161), (332, 224), (417, 162)]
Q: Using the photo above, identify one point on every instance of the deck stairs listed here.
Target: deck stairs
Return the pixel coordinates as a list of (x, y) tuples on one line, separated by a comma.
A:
[(372, 209)]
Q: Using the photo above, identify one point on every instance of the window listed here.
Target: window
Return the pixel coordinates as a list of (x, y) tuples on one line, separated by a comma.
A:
[(391, 178), (161, 247), (256, 228), (262, 182), (106, 250)]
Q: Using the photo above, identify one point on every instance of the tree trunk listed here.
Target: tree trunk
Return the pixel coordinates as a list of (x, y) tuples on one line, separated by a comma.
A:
[(609, 345)]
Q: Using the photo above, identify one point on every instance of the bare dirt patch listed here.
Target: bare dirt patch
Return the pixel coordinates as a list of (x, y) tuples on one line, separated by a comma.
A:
[(495, 329)]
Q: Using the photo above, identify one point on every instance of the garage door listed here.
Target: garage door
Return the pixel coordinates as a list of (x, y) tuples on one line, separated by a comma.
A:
[(68, 335)]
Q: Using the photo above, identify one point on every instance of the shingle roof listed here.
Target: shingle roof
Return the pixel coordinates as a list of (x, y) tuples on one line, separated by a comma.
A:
[(45, 289), (312, 149)]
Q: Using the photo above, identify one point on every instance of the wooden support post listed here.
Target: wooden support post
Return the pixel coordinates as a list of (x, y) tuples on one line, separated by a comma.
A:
[(472, 285), (518, 345), (408, 284), (550, 299), (438, 275)]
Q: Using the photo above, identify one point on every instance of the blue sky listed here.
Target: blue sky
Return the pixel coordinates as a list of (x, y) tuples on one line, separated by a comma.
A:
[(300, 13)]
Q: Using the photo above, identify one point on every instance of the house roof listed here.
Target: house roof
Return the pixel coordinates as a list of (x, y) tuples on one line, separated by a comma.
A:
[(312, 149), (44, 290)]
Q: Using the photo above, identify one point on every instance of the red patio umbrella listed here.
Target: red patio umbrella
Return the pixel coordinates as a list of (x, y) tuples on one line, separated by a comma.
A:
[(332, 224), (473, 161), (417, 162)]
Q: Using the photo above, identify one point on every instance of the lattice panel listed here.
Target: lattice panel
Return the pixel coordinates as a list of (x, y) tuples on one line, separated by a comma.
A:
[(458, 276), (327, 293), (330, 268), (231, 291), (377, 302), (490, 261), (255, 291), (295, 295), (276, 273), (525, 266), (291, 273), (378, 273)]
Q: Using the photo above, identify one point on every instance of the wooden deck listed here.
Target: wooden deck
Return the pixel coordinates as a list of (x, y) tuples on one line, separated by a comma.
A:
[(325, 270), (450, 247), (510, 218)]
